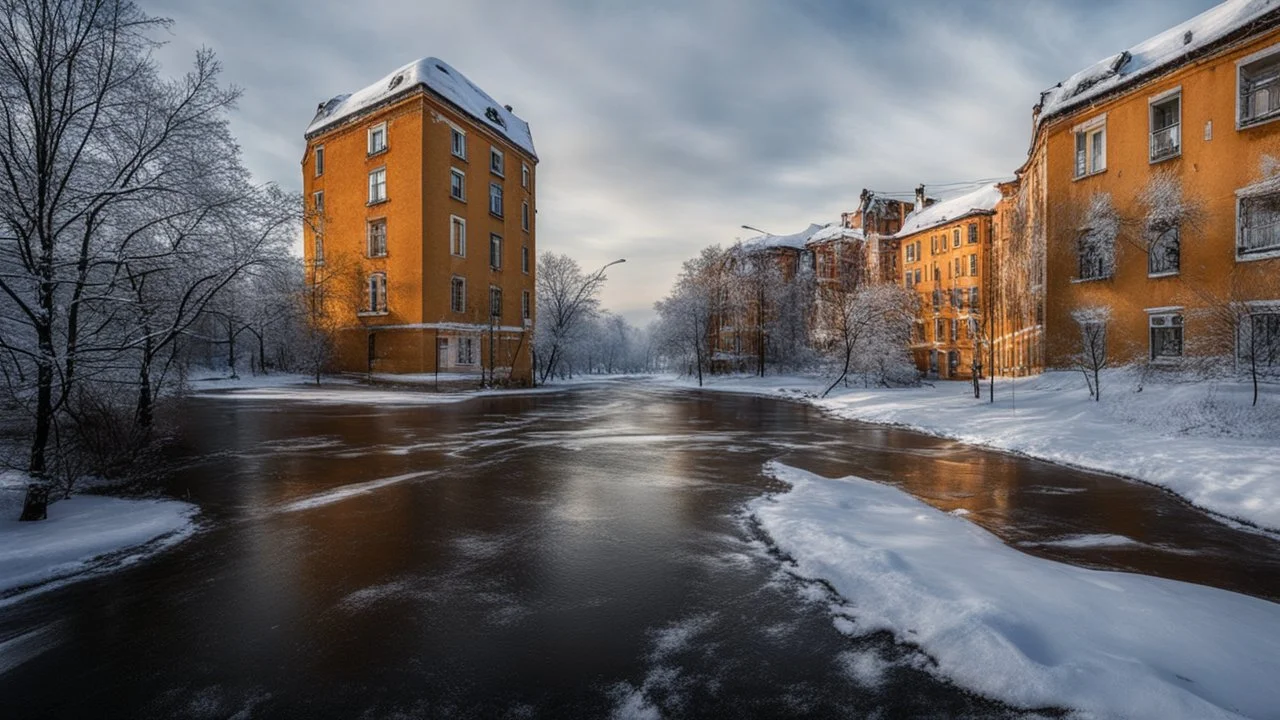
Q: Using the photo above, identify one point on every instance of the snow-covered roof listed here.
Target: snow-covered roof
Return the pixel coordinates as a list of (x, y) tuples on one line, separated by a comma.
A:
[(442, 79), (796, 240), (836, 231), (984, 199), (1154, 54)]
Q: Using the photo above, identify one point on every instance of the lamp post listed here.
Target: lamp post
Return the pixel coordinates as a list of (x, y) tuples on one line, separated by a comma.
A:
[(756, 229)]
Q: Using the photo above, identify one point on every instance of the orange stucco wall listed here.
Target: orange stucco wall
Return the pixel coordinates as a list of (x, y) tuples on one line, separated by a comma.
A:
[(1216, 160), (419, 263)]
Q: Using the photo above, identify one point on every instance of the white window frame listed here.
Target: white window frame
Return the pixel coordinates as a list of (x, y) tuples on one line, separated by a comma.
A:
[(461, 195), (377, 131), (1166, 318), (526, 305), (495, 294), (442, 351), (378, 197), (319, 160), (525, 175), (501, 166), (458, 240), (455, 282), (973, 264), (376, 294), (524, 215), (1241, 65), (524, 259), (495, 258), (911, 252), (955, 237), (466, 351), (1095, 162), (1154, 102), (458, 142), (317, 202), (1270, 251), (496, 196), (1245, 332), (368, 242)]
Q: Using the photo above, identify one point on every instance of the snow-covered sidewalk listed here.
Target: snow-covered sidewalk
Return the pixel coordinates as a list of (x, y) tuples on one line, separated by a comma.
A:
[(85, 535), (1204, 441), (1028, 631)]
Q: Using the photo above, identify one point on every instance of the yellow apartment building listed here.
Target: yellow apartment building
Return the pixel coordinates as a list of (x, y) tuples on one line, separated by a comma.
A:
[(1154, 194), (420, 239)]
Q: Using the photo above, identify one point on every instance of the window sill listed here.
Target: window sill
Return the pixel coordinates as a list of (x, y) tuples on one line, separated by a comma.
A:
[(458, 255), (495, 268), (463, 158), (1166, 360), (383, 256), (1164, 158), (1241, 126), (1258, 255), (371, 203), (1077, 281), (496, 215), (495, 173), (368, 313), (375, 153), (462, 200), (1171, 273), (1086, 176)]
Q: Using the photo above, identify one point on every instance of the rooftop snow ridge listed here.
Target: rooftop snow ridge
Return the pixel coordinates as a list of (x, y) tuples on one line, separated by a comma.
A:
[(442, 79), (795, 240), (984, 199), (836, 231), (1155, 54)]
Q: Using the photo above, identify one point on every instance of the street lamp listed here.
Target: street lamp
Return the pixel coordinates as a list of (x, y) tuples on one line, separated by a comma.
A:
[(756, 229)]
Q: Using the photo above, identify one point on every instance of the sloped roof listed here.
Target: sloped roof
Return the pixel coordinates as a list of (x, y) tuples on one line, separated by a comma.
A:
[(984, 199), (795, 240), (439, 77), (836, 231), (1154, 54)]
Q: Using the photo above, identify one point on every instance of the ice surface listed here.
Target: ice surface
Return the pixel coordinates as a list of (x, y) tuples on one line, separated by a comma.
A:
[(1028, 631)]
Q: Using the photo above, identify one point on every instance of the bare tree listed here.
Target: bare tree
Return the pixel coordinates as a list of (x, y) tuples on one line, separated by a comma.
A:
[(1092, 355), (567, 298)]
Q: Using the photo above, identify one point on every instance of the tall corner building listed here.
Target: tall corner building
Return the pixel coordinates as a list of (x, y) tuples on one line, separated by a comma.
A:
[(420, 235)]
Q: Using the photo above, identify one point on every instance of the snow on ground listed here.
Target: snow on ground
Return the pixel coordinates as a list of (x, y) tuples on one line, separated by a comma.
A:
[(83, 535), (1028, 631), (1204, 441)]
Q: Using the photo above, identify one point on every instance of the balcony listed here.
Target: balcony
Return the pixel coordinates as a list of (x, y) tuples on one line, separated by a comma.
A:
[(1166, 143)]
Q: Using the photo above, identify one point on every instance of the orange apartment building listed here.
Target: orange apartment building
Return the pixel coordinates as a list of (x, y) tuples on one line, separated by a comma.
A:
[(1154, 193), (420, 240), (944, 248)]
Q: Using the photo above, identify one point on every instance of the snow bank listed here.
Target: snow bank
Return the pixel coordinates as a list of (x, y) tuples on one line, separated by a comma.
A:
[(366, 395), (1024, 630), (87, 534), (1204, 441)]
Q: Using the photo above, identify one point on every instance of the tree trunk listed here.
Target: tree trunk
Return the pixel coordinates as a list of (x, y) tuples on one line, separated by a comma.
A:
[(144, 413), (36, 505), (44, 405)]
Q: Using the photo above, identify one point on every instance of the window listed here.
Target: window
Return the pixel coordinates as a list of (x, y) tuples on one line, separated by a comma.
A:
[(939, 330), (524, 176), (1166, 336), (973, 264), (917, 276), (524, 259), (377, 298), (955, 238), (495, 199), (377, 242), (317, 199), (955, 330), (378, 186), (496, 161), (524, 215), (911, 252), (457, 236), (458, 294), (319, 248), (495, 251), (495, 302), (1259, 224), (959, 269), (957, 298), (1091, 148), (1163, 255), (1259, 88), (937, 300), (319, 160), (1259, 346), (525, 303), (937, 274), (933, 244), (973, 233), (973, 299), (906, 282), (1166, 128), (442, 351), (1094, 253), (457, 184), (466, 351), (377, 138), (458, 142)]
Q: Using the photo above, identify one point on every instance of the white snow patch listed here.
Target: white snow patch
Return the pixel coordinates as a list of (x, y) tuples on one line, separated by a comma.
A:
[(982, 200), (631, 704), (1028, 631), (865, 668), (1085, 541), (348, 491), (677, 636), (794, 240)]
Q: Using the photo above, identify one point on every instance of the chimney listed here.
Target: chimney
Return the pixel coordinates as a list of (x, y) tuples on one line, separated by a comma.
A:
[(508, 107), (920, 200)]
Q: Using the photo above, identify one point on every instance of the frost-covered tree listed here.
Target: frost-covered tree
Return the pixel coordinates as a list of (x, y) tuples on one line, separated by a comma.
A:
[(1099, 232), (688, 317), (1169, 213), (870, 328), (568, 299), (1091, 357)]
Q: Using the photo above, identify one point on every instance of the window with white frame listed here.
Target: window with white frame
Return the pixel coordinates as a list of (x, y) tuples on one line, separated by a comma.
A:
[(524, 259), (318, 247), (1164, 253), (1091, 147), (317, 201), (973, 264), (377, 238), (442, 351), (1166, 336), (973, 299), (1258, 81), (959, 269), (1094, 253), (457, 236), (319, 160), (1258, 349), (495, 251), (497, 163), (526, 300), (955, 238), (495, 302), (458, 143), (911, 252), (1258, 224), (495, 199), (917, 276), (378, 185), (973, 233), (906, 279), (458, 294), (524, 215), (457, 184), (466, 351), (939, 330), (377, 138), (1166, 127), (377, 296), (524, 176)]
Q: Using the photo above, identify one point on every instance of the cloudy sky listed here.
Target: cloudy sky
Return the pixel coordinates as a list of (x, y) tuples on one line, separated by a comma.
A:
[(663, 126)]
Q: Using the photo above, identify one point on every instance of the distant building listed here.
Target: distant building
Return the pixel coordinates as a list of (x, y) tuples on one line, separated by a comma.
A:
[(944, 249), (420, 243), (1153, 194)]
